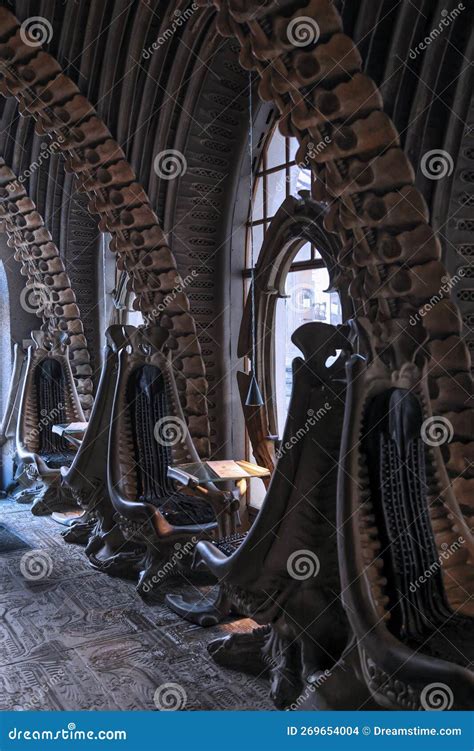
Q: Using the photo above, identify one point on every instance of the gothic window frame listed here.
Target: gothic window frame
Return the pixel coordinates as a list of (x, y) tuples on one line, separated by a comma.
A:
[(299, 220)]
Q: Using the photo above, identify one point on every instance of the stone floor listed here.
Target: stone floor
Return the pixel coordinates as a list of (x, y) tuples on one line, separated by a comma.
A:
[(79, 639)]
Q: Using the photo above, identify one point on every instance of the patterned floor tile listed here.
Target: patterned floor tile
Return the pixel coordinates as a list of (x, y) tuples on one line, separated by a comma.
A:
[(79, 639)]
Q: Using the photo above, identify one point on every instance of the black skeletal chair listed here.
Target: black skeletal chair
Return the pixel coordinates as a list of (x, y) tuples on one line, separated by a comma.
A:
[(342, 567), (148, 433), (85, 482), (48, 397), (316, 391)]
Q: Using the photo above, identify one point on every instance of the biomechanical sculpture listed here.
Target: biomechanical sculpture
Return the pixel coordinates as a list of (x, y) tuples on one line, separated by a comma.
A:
[(380, 624), (85, 481), (297, 523), (104, 175), (404, 503), (48, 397), (316, 642), (48, 287), (148, 433)]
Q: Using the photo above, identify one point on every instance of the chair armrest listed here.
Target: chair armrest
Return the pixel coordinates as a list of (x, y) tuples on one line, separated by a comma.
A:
[(224, 503)]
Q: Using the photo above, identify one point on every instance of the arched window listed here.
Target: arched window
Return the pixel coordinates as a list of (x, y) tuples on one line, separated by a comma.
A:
[(294, 267), (117, 301)]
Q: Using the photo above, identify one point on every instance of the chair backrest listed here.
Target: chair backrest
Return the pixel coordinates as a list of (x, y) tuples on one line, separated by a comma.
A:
[(305, 475), (148, 426), (48, 396), (10, 415), (88, 471)]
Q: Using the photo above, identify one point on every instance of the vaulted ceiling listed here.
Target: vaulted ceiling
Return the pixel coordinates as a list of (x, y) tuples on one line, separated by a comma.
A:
[(187, 91)]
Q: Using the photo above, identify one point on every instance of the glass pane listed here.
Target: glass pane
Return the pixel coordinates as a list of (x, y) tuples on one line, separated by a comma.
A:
[(134, 318), (304, 254), (293, 143), (276, 191), (257, 208), (257, 235), (299, 180), (276, 152), (306, 301)]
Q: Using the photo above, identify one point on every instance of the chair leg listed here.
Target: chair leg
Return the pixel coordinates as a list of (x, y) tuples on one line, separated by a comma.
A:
[(204, 610), (80, 530), (112, 554), (158, 565), (243, 651), (52, 498)]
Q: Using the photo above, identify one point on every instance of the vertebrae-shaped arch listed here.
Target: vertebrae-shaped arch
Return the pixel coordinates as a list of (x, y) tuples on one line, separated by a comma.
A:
[(48, 288), (43, 91)]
